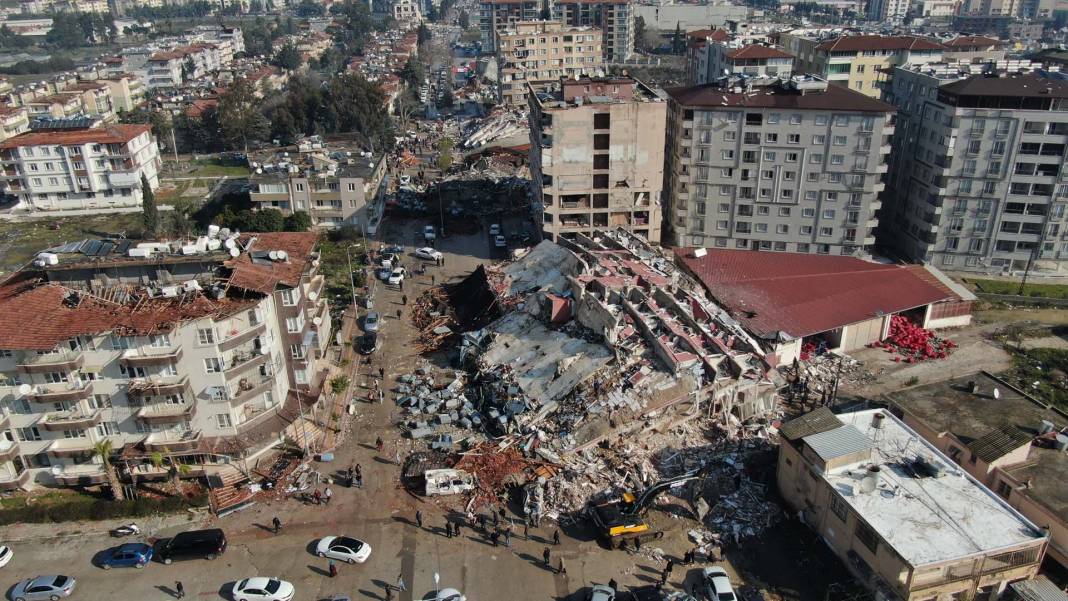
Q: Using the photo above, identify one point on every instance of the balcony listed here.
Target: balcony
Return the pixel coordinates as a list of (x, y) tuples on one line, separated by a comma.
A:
[(167, 412), (237, 338), (70, 447), (13, 481), (73, 419), (9, 449), (158, 386), (123, 179), (169, 442), (143, 357), (80, 475), (57, 393), (243, 360), (36, 364), (250, 388)]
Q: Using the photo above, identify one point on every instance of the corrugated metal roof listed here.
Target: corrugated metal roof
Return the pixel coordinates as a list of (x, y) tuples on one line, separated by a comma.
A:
[(813, 422), (838, 442), (998, 442), (1039, 589)]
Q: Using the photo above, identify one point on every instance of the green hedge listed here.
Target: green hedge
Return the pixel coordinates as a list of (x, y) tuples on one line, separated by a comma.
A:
[(80, 507), (1009, 287)]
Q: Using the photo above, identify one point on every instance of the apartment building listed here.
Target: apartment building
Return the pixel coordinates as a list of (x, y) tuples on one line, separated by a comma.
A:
[(859, 62), (614, 17), (164, 70), (888, 11), (754, 60), (56, 106), (697, 53), (974, 49), (544, 51), (1012, 443), (13, 121), (62, 166), (335, 184), (597, 156), (793, 165), (898, 513), (178, 348), (978, 184), (498, 15), (96, 98), (127, 91), (407, 12)]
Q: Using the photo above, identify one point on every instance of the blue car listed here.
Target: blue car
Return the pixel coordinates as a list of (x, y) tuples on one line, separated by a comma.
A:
[(131, 554)]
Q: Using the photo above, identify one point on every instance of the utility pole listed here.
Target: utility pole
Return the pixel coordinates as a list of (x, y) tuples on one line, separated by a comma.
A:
[(1027, 272)]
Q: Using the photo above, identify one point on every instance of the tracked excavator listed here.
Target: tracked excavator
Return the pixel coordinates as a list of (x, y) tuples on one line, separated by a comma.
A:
[(623, 518)]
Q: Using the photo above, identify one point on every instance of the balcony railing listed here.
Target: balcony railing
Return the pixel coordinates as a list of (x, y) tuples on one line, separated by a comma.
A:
[(9, 449), (170, 442), (167, 412), (158, 386), (249, 388), (74, 419), (236, 339), (80, 475), (14, 481), (242, 361), (143, 357), (66, 361), (70, 447), (55, 393)]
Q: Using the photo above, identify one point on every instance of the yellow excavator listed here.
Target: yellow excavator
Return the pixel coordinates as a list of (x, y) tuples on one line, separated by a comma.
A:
[(623, 518)]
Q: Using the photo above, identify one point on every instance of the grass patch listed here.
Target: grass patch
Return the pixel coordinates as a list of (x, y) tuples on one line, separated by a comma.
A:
[(1046, 366), (334, 263), (55, 507), (20, 242), (471, 35), (1009, 287), (207, 168)]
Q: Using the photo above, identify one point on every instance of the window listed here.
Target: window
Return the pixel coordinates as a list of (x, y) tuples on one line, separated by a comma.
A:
[(793, 138), (867, 536), (769, 156), (770, 138), (795, 119), (107, 428), (808, 212), (120, 342), (806, 230), (784, 211), (212, 365), (826, 232), (28, 434), (819, 139), (839, 141), (222, 420), (838, 506), (100, 401), (837, 159), (290, 297), (782, 229), (294, 324), (727, 155), (159, 341), (822, 120), (828, 213), (815, 159), (721, 225), (130, 371), (206, 336)]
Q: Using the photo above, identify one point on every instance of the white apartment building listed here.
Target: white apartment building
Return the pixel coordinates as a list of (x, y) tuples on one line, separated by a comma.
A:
[(13, 121), (83, 168), (195, 354)]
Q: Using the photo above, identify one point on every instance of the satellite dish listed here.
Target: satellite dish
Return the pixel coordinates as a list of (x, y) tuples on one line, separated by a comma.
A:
[(234, 253), (313, 295), (997, 394), (273, 255), (25, 389), (318, 321)]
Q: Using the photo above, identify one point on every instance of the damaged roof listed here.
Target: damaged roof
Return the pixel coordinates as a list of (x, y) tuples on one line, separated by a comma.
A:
[(546, 266), (267, 276), (814, 422), (801, 295)]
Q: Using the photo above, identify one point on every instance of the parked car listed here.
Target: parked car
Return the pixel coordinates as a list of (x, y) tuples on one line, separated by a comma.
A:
[(124, 556), (388, 260), (495, 229), (600, 592), (396, 277), (343, 548), (368, 343), (429, 233), (715, 585), (43, 587), (193, 544), (393, 249), (5, 555), (263, 589), (428, 253), (370, 322), (499, 241), (382, 273)]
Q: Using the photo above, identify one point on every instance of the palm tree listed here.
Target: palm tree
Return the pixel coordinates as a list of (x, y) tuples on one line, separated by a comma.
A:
[(339, 384), (176, 472), (104, 450)]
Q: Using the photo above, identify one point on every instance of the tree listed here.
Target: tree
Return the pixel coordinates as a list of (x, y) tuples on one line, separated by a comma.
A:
[(444, 154), (288, 58), (267, 220), (240, 116), (255, 7), (298, 221), (66, 31), (309, 8), (150, 212), (339, 384), (677, 43), (413, 72), (465, 19), (423, 34), (176, 471), (104, 450)]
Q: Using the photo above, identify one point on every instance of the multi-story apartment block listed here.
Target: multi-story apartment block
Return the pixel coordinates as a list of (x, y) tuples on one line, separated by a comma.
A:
[(597, 156), (888, 11), (127, 91), (164, 69), (543, 51), (407, 12), (178, 348), (754, 60), (898, 513), (697, 53), (979, 182), (80, 168), (13, 121), (96, 98), (498, 15), (860, 62), (56, 106), (792, 165), (614, 17), (334, 184), (973, 49)]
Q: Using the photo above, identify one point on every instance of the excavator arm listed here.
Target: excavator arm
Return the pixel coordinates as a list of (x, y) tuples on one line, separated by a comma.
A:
[(649, 495)]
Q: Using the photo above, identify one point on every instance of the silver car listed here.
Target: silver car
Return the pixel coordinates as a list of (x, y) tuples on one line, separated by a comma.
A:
[(40, 588), (370, 322)]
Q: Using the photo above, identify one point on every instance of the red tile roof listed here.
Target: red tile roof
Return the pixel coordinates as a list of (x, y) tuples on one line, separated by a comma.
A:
[(972, 40), (716, 35), (111, 134), (267, 278), (858, 43), (198, 106), (35, 316), (802, 294), (756, 51)]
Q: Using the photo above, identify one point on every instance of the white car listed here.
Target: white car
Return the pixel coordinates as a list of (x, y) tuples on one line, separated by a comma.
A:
[(263, 589), (343, 548), (428, 253), (5, 555), (716, 584), (499, 241), (396, 277), (600, 592), (495, 229)]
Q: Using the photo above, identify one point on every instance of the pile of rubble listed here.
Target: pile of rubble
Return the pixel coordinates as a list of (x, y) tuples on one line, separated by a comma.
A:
[(432, 407), (433, 315), (495, 469)]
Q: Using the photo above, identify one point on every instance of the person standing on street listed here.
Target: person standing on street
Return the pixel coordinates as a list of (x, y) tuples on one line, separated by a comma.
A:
[(526, 528), (381, 373), (419, 518), (556, 537), (399, 313), (332, 568), (400, 583), (327, 495), (379, 443), (561, 569), (545, 555), (277, 524), (404, 299), (456, 529), (179, 590), (318, 496)]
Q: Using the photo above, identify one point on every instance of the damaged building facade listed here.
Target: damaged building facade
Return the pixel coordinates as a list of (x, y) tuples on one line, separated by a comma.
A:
[(192, 349)]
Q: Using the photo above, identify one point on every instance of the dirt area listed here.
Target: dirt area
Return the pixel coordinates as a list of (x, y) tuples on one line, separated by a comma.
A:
[(1057, 342), (20, 241)]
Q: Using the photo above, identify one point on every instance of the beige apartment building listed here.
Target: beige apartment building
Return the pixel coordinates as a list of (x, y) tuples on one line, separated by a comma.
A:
[(13, 121), (335, 184), (175, 347), (614, 17), (127, 91), (597, 155), (543, 51), (498, 15), (908, 523)]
